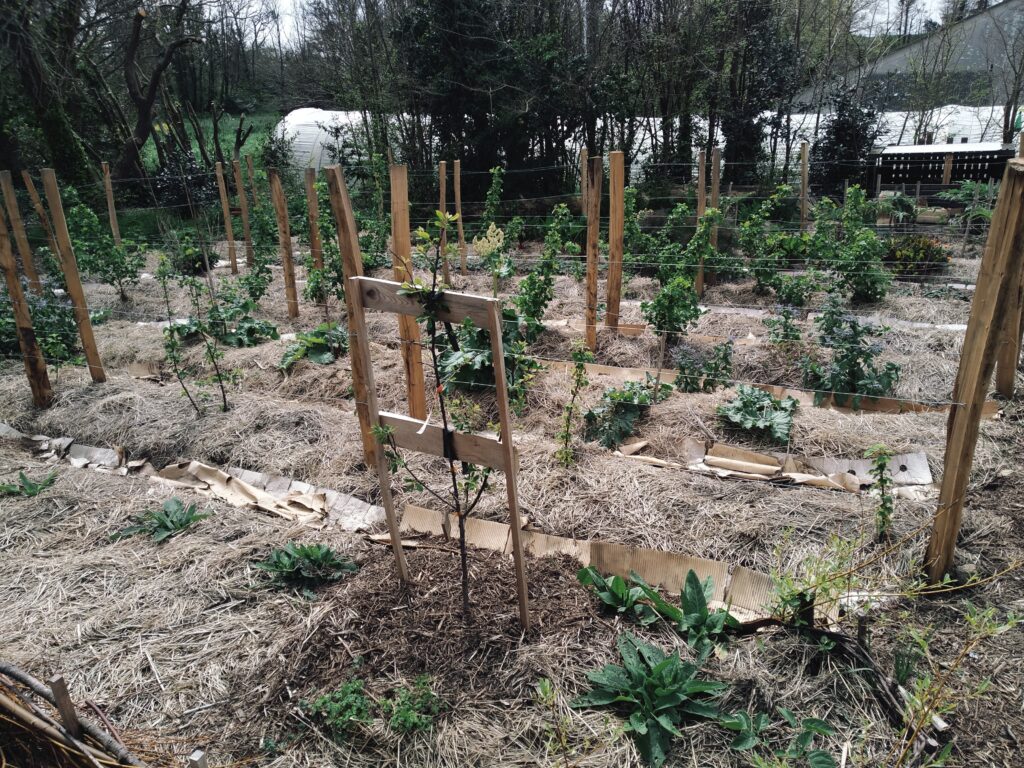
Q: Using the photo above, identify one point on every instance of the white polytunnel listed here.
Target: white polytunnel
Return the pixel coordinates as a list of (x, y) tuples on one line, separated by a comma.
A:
[(309, 131)]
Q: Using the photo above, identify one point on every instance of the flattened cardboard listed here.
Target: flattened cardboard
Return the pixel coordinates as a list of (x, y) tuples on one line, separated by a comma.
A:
[(748, 595)]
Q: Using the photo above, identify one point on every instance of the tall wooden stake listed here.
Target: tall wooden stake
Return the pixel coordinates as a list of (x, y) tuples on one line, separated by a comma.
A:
[(18, 228), (316, 249), (35, 365), (225, 209), (408, 328), (442, 177), (947, 168), (284, 236), (584, 165), (108, 188), (243, 210), (352, 266), (37, 204), (616, 230), (716, 188), (804, 182), (359, 354), (505, 417), (595, 168), (702, 183), (1003, 257), (71, 278), (252, 180), (457, 183)]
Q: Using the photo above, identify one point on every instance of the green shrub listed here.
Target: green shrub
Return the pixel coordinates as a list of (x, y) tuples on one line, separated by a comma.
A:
[(412, 709), (915, 255), (655, 692), (27, 487), (707, 374), (853, 371), (782, 329), (305, 565), (703, 627), (53, 320), (342, 711), (173, 518), (323, 345), (616, 593), (612, 420), (755, 410), (674, 309), (186, 254)]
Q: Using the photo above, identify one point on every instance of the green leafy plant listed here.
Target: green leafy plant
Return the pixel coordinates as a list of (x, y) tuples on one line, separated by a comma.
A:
[(880, 457), (705, 375), (703, 627), (54, 322), (161, 524), (915, 255), (413, 709), (853, 371), (748, 729), (187, 256), (655, 692), (800, 747), (613, 419), (755, 410), (975, 199), (580, 357), (323, 345), (782, 329), (616, 593), (342, 711), (116, 265), (306, 566), (674, 309), (26, 486), (229, 319)]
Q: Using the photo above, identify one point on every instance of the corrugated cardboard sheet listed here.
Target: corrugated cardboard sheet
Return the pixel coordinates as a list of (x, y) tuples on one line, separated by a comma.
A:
[(744, 591)]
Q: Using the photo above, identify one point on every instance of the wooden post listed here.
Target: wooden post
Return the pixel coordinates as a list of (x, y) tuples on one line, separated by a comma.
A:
[(804, 184), (198, 760), (360, 346), (442, 178), (702, 184), (947, 169), (284, 236), (1003, 257), (352, 266), (702, 207), (457, 183), (35, 365), (716, 185), (243, 208), (917, 192), (252, 180), (408, 328), (316, 249), (878, 183), (225, 209), (37, 204), (505, 417), (74, 283), (595, 168), (584, 166), (616, 230), (108, 188), (18, 228), (66, 708)]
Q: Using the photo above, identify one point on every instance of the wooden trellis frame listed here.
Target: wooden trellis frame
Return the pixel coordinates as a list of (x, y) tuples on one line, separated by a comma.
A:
[(497, 452)]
